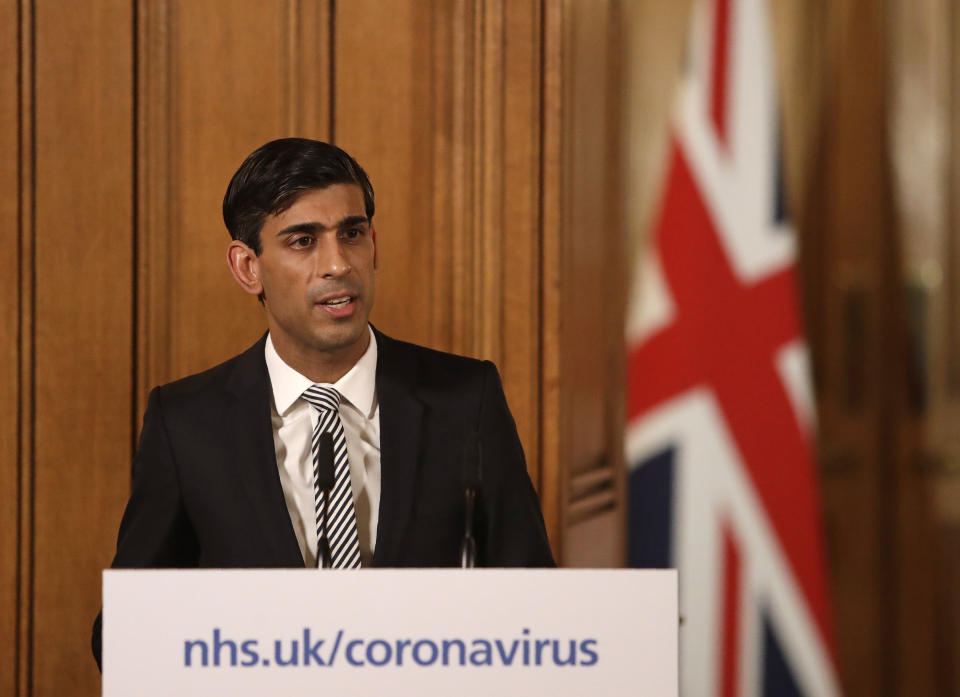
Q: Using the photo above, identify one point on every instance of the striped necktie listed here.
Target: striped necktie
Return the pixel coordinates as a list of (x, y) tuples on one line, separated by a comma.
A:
[(341, 517)]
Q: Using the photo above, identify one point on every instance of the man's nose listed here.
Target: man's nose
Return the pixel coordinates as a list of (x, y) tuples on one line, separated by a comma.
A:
[(330, 259)]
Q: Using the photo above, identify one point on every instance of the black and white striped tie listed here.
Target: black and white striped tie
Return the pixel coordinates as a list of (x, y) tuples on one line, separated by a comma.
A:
[(341, 517)]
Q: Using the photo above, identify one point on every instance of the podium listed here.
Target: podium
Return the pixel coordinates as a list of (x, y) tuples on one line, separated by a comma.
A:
[(390, 632)]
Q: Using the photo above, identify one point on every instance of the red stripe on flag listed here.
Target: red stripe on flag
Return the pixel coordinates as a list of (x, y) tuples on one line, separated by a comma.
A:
[(724, 338), (721, 53), (730, 627)]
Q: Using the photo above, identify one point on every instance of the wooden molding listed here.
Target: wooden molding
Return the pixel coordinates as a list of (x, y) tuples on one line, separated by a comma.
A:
[(16, 347), (156, 233), (554, 437), (26, 310)]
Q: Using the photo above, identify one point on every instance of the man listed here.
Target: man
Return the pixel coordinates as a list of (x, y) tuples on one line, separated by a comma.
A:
[(226, 474)]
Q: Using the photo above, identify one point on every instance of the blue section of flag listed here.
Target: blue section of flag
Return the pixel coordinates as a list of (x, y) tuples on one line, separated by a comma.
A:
[(651, 512), (778, 678)]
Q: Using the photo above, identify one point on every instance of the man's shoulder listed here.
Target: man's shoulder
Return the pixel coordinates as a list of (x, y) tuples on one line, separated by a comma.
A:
[(447, 382), (235, 372), (426, 354), (430, 365)]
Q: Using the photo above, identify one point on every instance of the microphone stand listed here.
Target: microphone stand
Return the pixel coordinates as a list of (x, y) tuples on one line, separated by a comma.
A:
[(468, 547), (325, 480), (472, 478)]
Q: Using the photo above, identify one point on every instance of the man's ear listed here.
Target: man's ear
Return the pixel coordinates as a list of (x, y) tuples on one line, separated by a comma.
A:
[(373, 236), (245, 267)]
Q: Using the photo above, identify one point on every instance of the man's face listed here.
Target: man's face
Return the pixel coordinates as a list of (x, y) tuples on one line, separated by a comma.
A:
[(317, 269)]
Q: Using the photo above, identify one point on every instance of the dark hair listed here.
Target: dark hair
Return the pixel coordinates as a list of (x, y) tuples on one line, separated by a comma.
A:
[(274, 175)]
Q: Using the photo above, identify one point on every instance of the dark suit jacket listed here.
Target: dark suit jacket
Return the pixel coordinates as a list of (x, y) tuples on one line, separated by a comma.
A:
[(206, 488)]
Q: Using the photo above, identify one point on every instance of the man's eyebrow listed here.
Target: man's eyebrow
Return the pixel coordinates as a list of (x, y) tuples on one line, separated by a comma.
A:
[(312, 227)]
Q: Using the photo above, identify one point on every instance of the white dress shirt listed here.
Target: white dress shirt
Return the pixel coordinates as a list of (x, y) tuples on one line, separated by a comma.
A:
[(293, 423)]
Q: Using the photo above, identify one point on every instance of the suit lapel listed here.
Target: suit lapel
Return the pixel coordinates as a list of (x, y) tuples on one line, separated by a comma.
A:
[(401, 419), (254, 454)]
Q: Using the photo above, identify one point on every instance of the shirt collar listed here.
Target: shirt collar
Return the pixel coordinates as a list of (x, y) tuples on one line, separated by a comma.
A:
[(357, 386)]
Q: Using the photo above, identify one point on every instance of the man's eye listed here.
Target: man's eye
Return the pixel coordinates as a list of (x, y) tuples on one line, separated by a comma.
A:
[(352, 233), (303, 241)]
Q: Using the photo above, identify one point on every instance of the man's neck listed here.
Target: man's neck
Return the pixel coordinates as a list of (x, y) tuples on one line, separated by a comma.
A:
[(319, 366)]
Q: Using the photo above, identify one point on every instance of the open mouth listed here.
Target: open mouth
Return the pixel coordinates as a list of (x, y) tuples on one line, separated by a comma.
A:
[(339, 306), (338, 303)]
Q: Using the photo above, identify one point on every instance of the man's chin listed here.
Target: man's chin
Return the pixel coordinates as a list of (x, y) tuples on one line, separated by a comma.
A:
[(341, 339)]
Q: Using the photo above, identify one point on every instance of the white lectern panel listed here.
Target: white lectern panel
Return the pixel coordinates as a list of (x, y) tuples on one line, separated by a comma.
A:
[(300, 633)]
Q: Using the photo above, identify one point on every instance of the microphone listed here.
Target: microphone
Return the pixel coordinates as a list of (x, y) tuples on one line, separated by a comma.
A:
[(325, 480), (471, 491)]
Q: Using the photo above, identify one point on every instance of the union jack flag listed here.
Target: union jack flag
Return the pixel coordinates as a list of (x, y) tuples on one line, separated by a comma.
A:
[(720, 416)]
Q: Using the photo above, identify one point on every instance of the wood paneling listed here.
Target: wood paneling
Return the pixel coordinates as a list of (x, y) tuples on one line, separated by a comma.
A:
[(23, 637), (922, 60), (454, 154), (83, 312), (948, 606), (520, 222), (120, 125), (10, 382), (210, 91), (383, 116), (591, 285), (484, 248), (552, 431), (880, 542), (846, 237)]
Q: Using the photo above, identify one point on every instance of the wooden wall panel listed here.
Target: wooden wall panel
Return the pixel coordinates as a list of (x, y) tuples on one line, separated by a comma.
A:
[(448, 129), (586, 184), (923, 45), (383, 116), (856, 315), (83, 324), (210, 92), (120, 124), (520, 221), (552, 431), (23, 630), (592, 288), (10, 382), (841, 224)]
